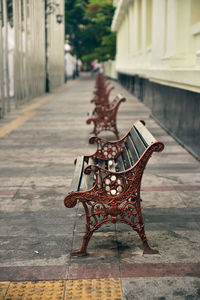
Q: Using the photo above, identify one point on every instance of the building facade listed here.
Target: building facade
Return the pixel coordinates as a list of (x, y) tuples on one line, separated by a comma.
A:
[(31, 50), (158, 59)]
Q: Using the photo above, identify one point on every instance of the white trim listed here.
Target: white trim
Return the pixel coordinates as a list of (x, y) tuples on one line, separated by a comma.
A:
[(122, 7)]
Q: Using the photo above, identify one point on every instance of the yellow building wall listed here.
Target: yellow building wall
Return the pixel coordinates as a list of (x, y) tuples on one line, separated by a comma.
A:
[(159, 40)]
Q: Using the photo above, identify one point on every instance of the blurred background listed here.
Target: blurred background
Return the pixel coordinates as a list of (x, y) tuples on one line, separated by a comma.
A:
[(152, 47)]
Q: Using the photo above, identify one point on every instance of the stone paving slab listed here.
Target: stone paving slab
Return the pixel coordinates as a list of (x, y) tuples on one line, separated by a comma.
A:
[(161, 288), (37, 233)]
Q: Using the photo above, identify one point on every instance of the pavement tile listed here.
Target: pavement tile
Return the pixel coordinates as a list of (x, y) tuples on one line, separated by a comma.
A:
[(35, 247), (102, 248), (36, 273), (44, 290), (37, 233), (104, 288), (171, 179), (160, 270), (3, 289), (161, 288), (103, 270), (173, 246)]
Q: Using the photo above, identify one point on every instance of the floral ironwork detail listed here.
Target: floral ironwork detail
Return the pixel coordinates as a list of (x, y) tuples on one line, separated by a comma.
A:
[(105, 118), (106, 150)]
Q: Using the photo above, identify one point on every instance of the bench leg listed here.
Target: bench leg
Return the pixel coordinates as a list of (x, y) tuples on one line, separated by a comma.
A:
[(83, 250), (147, 248), (94, 220), (97, 215)]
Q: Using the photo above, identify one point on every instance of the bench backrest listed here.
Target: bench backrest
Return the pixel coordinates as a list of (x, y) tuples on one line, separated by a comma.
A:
[(128, 156), (102, 96), (135, 144), (107, 110), (102, 90), (115, 100)]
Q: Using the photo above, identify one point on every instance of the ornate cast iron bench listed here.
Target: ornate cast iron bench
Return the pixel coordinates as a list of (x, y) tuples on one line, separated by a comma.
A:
[(105, 118), (102, 91), (102, 96), (108, 182)]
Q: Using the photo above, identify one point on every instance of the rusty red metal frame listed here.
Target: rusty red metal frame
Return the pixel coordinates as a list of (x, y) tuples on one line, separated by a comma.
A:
[(102, 91), (115, 196), (102, 97), (104, 114), (105, 119)]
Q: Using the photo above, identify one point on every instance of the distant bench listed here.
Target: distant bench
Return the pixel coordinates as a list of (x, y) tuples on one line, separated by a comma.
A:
[(108, 182), (102, 91), (102, 95), (104, 118)]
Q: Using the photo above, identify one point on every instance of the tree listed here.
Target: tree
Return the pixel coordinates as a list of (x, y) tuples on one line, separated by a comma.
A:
[(88, 24)]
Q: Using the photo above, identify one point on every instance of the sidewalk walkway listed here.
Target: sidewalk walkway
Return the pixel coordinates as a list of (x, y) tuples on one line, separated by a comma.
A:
[(38, 144)]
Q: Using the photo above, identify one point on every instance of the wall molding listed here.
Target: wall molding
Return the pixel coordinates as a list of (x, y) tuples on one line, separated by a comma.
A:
[(121, 10)]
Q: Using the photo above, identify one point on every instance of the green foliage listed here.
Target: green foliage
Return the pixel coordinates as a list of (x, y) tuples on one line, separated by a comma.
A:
[(88, 25)]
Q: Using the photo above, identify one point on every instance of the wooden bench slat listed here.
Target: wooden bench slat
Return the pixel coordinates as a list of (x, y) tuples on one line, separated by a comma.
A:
[(144, 133), (112, 166), (115, 100), (138, 142), (88, 180), (120, 164), (77, 177), (102, 163), (126, 156), (132, 150), (90, 177)]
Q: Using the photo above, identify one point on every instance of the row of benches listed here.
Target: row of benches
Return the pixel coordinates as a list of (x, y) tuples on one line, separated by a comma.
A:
[(104, 114), (108, 182)]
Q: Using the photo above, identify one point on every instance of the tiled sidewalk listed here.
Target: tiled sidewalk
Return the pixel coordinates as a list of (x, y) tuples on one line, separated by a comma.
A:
[(38, 145)]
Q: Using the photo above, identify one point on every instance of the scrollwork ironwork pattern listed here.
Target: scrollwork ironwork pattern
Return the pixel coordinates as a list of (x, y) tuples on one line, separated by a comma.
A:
[(106, 150), (103, 123), (105, 118)]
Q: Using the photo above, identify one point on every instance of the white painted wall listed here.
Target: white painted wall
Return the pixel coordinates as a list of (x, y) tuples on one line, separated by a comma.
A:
[(109, 69), (159, 40)]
